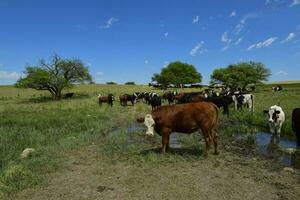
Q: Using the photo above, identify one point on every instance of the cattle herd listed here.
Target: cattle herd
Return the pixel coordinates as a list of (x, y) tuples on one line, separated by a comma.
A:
[(189, 112)]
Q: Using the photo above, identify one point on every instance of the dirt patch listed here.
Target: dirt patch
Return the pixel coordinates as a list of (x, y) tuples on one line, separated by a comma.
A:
[(89, 175)]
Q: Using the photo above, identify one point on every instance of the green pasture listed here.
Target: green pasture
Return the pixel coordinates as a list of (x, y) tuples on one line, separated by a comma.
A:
[(30, 119)]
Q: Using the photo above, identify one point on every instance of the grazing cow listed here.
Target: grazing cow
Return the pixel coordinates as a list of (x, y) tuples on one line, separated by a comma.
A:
[(296, 124), (106, 99), (184, 118), (69, 95), (276, 88), (127, 97), (243, 99), (276, 118)]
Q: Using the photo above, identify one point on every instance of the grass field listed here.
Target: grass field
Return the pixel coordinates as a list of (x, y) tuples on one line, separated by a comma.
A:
[(61, 130)]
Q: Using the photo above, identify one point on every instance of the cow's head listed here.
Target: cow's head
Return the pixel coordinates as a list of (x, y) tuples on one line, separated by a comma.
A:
[(272, 114), (149, 123)]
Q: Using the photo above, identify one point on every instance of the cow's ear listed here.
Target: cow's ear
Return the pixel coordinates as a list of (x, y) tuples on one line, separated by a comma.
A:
[(266, 111), (277, 112)]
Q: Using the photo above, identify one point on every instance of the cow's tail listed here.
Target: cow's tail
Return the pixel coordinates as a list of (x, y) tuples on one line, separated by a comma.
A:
[(252, 101), (140, 119), (215, 125)]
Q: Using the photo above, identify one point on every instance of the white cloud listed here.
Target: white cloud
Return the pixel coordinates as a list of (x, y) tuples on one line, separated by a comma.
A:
[(99, 73), (295, 3), (109, 23), (198, 47), (225, 48), (195, 19), (261, 44), (272, 1), (281, 73), (238, 40), (240, 26), (289, 37), (146, 62), (166, 34), (225, 38), (232, 14), (10, 75)]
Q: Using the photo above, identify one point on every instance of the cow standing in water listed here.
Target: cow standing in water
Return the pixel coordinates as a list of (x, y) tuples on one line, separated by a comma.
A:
[(184, 118), (276, 117), (296, 124)]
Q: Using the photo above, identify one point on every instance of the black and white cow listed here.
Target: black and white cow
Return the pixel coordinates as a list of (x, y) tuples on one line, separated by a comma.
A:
[(276, 88), (296, 124), (243, 99), (147, 96), (276, 118)]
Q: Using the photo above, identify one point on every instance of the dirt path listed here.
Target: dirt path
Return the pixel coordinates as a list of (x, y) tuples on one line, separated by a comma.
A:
[(226, 176)]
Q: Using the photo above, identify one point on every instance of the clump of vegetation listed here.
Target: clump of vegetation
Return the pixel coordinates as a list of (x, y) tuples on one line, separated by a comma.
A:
[(241, 74), (54, 76), (178, 73), (111, 83), (129, 83)]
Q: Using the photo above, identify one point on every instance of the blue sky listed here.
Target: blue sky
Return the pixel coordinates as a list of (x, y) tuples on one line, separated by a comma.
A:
[(130, 40)]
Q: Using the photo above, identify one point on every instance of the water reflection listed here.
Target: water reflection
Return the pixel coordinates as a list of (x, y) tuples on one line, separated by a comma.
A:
[(283, 152)]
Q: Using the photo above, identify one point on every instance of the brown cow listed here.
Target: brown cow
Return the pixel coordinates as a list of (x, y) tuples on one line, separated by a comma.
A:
[(185, 118), (127, 97), (106, 99)]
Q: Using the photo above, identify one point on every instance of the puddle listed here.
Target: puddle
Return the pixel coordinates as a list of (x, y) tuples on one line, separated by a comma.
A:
[(174, 140), (282, 153)]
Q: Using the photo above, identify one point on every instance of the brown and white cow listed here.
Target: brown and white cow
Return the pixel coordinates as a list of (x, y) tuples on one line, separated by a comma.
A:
[(106, 99), (184, 118)]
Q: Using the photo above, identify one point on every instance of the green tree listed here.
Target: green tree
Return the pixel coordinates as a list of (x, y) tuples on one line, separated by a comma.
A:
[(178, 73), (130, 83), (240, 74), (111, 83), (54, 76)]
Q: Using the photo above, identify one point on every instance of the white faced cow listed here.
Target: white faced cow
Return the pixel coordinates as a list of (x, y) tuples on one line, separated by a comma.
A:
[(276, 118)]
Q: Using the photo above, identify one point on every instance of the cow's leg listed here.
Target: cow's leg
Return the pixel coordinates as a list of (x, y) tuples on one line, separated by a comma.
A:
[(215, 141), (272, 130), (207, 139), (226, 109), (298, 138), (278, 135), (165, 139)]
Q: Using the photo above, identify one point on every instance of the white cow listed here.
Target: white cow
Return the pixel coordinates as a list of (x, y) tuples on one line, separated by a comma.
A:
[(276, 117), (243, 99)]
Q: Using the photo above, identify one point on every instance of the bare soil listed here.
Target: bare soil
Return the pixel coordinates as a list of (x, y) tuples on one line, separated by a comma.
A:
[(87, 174)]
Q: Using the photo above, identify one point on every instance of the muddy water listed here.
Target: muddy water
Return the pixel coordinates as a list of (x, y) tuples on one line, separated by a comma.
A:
[(282, 152), (174, 142)]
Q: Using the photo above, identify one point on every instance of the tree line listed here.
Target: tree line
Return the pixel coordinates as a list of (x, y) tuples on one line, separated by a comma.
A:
[(60, 74)]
